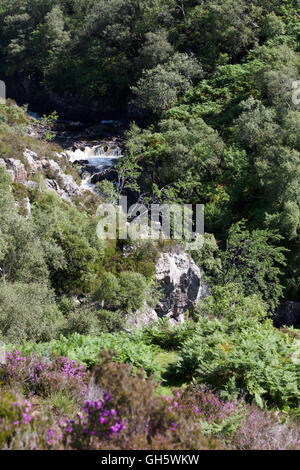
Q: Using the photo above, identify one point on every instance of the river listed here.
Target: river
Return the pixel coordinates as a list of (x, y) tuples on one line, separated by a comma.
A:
[(96, 147)]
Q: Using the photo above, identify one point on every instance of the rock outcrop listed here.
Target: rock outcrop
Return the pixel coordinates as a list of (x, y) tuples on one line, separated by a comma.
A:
[(182, 286), (181, 283), (64, 185), (33, 161), (55, 178), (141, 318), (17, 171)]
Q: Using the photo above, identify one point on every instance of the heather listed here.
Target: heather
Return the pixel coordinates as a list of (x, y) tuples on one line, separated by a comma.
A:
[(224, 379), (116, 409)]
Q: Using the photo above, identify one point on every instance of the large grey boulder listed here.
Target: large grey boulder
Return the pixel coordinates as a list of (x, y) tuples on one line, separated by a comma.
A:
[(143, 317), (181, 286), (181, 283)]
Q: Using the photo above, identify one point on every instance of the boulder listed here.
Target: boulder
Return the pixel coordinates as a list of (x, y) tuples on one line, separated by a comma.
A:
[(141, 318), (182, 285), (32, 160), (64, 185)]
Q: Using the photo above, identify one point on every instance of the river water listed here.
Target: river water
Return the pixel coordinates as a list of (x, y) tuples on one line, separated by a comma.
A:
[(95, 148), (95, 160)]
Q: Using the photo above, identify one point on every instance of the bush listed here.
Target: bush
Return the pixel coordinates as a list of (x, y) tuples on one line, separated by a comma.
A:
[(86, 349), (28, 312), (238, 355), (127, 292), (15, 418), (253, 260), (82, 321), (111, 322), (166, 335), (35, 375), (98, 422), (262, 430), (149, 421)]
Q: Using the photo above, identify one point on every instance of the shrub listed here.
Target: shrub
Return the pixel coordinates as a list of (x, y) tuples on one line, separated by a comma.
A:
[(149, 422), (99, 421), (237, 354), (82, 321), (111, 322), (262, 430), (218, 418), (127, 292), (39, 376), (253, 261), (85, 350), (28, 312), (15, 416), (166, 335)]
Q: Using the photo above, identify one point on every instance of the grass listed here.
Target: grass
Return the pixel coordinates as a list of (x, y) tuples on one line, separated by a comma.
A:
[(61, 404), (167, 360)]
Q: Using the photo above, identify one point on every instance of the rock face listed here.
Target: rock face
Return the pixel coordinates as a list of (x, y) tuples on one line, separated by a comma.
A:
[(33, 161), (17, 171), (287, 314), (64, 185), (181, 283), (182, 286), (141, 318)]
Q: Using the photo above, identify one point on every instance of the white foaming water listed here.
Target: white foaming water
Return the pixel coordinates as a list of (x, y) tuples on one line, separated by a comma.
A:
[(100, 157)]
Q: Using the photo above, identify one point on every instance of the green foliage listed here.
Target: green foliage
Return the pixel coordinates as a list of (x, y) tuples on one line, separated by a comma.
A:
[(75, 234), (107, 190), (111, 322), (183, 154), (129, 171), (8, 415), (156, 50), (28, 312), (86, 350), (252, 260), (209, 257), (160, 87), (212, 80), (127, 292), (166, 335), (235, 353)]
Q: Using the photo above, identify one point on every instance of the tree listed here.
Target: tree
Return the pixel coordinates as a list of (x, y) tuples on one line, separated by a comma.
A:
[(28, 312), (126, 293), (253, 261), (129, 171), (160, 87), (256, 125), (21, 253), (156, 50)]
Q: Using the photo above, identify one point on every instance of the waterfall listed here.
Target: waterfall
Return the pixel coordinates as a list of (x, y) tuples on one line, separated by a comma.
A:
[(95, 160)]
